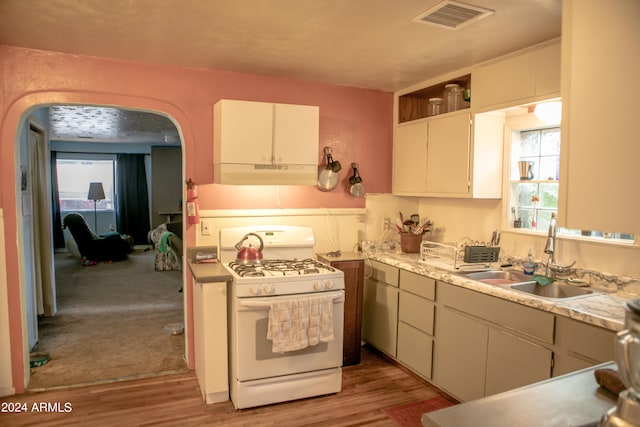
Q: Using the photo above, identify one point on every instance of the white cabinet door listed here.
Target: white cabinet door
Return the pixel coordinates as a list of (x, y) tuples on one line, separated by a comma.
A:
[(296, 126), (238, 142), (600, 151), (514, 362), (448, 155), (514, 79), (380, 323), (410, 158), (461, 355)]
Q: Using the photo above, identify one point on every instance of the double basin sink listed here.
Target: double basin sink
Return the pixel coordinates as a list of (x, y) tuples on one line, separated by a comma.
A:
[(523, 283)]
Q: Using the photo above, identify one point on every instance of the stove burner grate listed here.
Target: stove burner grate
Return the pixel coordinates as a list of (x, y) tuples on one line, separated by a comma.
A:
[(279, 267)]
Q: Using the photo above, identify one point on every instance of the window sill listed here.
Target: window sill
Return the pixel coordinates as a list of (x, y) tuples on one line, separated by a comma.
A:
[(586, 239)]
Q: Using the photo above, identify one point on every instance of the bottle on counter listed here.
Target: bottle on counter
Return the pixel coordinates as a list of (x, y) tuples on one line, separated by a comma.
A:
[(529, 264)]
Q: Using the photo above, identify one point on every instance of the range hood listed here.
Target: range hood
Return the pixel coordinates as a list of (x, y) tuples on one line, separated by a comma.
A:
[(242, 174)]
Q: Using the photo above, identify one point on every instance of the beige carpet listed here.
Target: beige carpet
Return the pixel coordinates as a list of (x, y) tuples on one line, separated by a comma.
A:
[(110, 323)]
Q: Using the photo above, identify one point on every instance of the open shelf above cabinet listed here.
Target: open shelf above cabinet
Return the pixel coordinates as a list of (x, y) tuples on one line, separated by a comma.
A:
[(414, 105)]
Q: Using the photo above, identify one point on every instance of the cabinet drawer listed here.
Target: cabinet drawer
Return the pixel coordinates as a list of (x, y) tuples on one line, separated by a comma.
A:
[(415, 349), (384, 273), (526, 320), (416, 311), (417, 284)]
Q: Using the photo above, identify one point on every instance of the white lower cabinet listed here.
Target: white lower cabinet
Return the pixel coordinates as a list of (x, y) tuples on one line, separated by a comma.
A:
[(513, 362), (582, 345), (486, 345), (380, 322), (461, 354), (470, 344), (415, 322)]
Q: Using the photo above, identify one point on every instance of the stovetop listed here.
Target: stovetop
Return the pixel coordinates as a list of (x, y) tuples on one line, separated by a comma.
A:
[(281, 267), (275, 277)]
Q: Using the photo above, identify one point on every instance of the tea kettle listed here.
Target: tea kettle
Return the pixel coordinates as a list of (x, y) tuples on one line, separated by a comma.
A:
[(249, 254)]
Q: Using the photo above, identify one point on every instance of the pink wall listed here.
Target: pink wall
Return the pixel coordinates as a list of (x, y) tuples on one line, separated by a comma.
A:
[(357, 123)]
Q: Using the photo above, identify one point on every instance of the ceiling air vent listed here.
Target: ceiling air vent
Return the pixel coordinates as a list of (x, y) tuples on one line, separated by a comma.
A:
[(452, 15)]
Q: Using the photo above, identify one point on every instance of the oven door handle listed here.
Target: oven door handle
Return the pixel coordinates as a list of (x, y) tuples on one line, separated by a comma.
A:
[(337, 297)]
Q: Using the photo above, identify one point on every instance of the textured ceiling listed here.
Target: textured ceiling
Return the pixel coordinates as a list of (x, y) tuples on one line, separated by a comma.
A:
[(362, 43), (101, 124)]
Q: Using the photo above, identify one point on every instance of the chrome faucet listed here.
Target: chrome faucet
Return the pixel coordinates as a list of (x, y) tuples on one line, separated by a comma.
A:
[(550, 249)]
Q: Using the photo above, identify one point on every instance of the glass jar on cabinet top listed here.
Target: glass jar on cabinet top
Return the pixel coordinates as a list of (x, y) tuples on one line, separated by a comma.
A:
[(435, 106), (453, 97)]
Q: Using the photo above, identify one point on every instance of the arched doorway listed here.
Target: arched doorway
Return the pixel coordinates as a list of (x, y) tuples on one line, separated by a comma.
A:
[(25, 240)]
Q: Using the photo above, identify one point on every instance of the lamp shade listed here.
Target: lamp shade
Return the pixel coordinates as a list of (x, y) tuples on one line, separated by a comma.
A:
[(96, 192)]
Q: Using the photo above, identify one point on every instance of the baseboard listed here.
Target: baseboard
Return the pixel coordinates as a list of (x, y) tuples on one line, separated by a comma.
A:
[(7, 391)]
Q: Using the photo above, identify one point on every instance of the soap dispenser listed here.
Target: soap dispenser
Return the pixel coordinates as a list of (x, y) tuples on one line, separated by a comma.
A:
[(529, 264)]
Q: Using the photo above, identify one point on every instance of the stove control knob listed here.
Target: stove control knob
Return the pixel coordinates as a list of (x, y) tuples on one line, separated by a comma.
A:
[(328, 284), (317, 286), (255, 290), (268, 289)]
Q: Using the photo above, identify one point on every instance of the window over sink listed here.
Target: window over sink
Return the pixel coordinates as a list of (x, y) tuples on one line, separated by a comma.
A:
[(534, 175)]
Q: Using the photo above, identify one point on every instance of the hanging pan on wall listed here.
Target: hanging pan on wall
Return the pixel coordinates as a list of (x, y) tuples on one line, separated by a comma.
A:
[(356, 187), (328, 176)]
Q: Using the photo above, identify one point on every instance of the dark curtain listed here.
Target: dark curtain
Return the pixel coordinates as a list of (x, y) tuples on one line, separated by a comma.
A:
[(132, 197), (58, 236)]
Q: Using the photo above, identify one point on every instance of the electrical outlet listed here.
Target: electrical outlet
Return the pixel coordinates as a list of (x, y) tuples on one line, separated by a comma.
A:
[(386, 224), (205, 225)]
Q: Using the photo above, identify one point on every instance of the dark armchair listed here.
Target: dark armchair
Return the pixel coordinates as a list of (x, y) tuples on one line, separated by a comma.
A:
[(107, 247)]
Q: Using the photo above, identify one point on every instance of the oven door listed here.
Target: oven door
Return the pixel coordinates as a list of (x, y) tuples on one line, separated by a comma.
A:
[(254, 357)]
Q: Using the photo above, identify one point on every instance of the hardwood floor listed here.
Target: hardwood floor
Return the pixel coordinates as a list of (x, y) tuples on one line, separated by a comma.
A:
[(175, 399)]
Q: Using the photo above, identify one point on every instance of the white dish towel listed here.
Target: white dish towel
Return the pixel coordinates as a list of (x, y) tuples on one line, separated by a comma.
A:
[(296, 323)]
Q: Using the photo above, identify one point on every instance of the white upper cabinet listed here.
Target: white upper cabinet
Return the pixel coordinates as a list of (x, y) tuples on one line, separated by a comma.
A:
[(295, 127), (518, 78), (410, 158), (449, 157), (265, 143), (245, 132), (600, 144)]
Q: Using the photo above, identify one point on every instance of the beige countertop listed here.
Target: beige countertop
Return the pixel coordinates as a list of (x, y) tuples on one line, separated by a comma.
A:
[(605, 310)]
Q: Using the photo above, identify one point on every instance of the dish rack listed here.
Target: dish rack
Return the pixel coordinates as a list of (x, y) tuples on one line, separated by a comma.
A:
[(459, 255)]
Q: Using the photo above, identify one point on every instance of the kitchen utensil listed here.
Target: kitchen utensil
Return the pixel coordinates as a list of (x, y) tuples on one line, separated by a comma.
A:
[(248, 255), (525, 167), (356, 188), (328, 176)]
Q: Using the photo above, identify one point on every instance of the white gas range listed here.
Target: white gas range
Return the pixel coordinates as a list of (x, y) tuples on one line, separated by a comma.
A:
[(258, 375)]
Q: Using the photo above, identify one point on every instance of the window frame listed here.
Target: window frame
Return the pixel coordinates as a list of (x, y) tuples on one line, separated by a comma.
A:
[(90, 157), (523, 120)]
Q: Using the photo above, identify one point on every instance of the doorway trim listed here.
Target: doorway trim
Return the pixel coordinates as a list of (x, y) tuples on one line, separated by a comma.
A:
[(13, 124)]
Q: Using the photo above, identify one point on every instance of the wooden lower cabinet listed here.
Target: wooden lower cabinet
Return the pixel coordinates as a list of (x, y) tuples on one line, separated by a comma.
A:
[(353, 299)]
